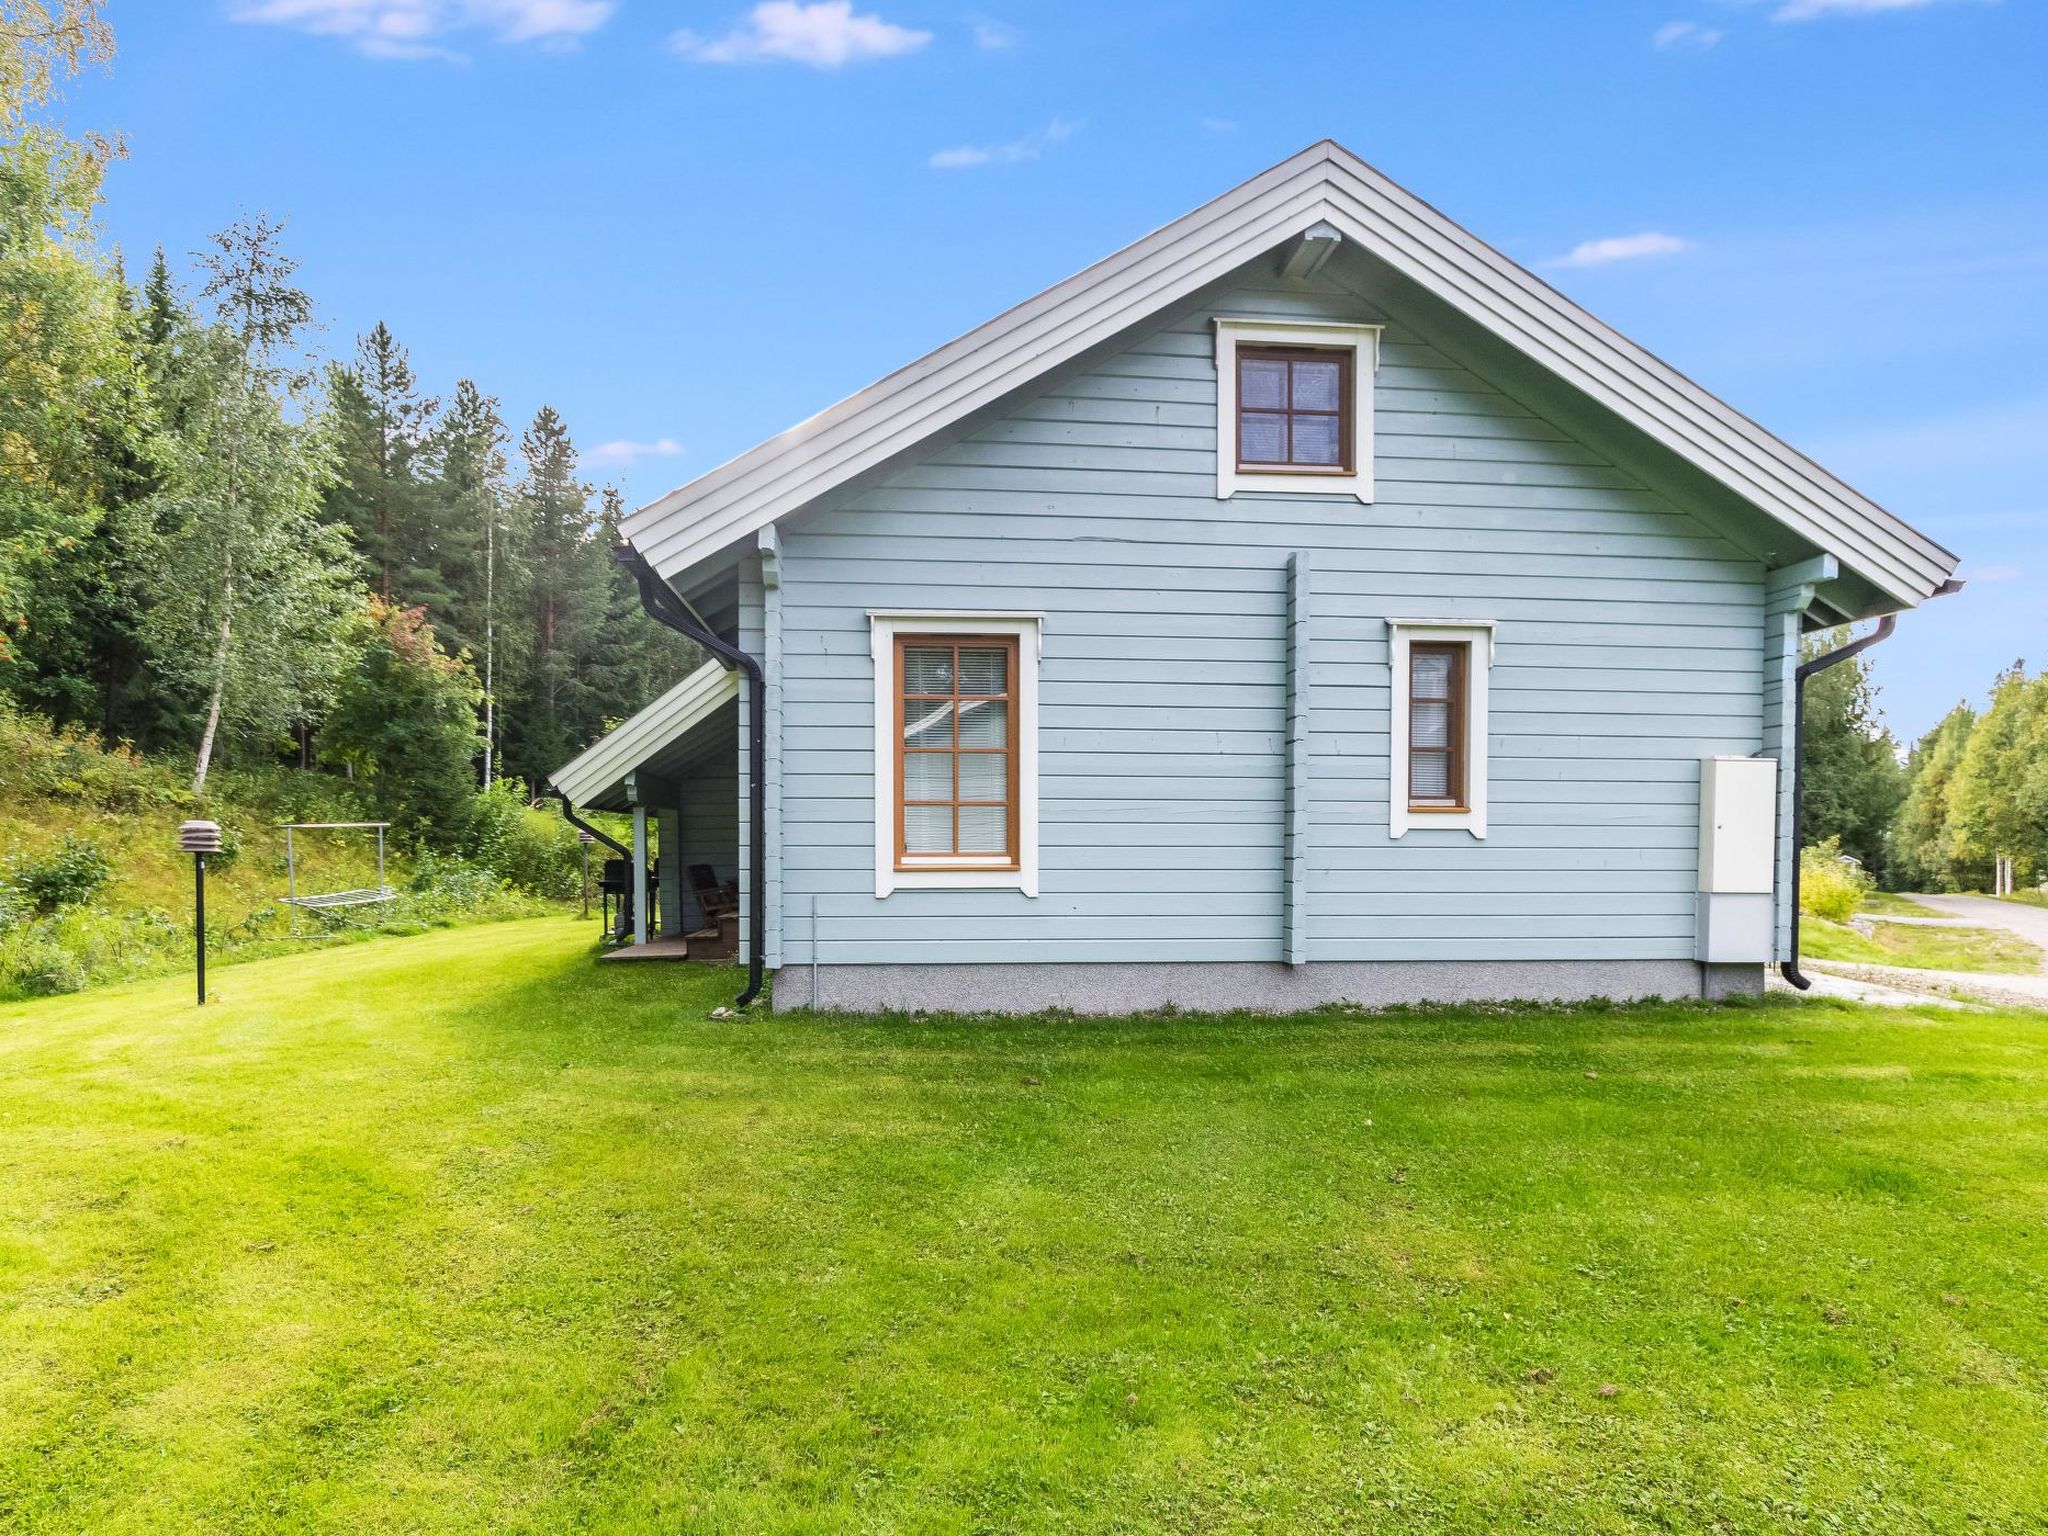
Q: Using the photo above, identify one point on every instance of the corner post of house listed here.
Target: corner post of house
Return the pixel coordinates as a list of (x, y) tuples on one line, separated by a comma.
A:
[(668, 850), (1294, 852), (639, 887), (645, 792), (771, 668), (1788, 593)]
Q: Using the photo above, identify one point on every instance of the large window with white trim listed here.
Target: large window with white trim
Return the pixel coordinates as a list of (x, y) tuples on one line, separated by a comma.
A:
[(956, 751), (956, 770)]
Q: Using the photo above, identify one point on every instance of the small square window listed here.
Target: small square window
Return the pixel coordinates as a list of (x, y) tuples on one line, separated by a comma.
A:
[(1294, 409)]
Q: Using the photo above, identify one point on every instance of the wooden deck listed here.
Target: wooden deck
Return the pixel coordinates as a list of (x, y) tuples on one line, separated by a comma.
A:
[(672, 946), (707, 945)]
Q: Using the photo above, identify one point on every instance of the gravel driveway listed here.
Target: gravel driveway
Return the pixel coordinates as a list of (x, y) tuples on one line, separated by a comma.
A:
[(2030, 923)]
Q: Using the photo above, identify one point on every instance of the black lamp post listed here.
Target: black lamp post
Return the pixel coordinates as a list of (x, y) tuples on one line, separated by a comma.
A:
[(584, 837), (199, 838)]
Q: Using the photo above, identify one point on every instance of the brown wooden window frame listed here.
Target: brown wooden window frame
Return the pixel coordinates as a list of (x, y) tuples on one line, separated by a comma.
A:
[(1346, 359), (907, 861), (1459, 701)]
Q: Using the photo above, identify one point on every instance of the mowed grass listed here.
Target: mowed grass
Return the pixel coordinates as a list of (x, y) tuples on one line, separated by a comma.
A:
[(461, 1233), (1896, 905), (1922, 948)]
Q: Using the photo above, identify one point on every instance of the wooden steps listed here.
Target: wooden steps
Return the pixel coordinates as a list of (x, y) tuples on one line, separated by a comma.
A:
[(718, 943)]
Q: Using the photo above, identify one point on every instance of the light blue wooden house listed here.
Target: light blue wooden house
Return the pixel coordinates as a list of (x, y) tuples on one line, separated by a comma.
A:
[(1304, 603)]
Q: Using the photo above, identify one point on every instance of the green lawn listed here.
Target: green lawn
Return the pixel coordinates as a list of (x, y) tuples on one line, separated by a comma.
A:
[(458, 1233), (1895, 905), (1936, 949)]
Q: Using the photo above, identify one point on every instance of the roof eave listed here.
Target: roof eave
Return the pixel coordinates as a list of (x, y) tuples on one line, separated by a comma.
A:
[(1328, 185)]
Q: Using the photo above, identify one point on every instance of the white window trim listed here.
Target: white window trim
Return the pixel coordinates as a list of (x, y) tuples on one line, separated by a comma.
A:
[(1401, 635), (884, 627), (1363, 341)]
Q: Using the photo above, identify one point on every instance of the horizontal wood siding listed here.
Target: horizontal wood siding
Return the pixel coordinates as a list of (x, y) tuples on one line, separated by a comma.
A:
[(1630, 645), (709, 832)]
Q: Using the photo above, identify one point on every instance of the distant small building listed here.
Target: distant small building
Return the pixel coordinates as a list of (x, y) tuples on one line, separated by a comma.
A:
[(1304, 603)]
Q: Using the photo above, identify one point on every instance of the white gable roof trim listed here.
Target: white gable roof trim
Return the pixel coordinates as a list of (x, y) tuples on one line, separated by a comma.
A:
[(1323, 184), (607, 761)]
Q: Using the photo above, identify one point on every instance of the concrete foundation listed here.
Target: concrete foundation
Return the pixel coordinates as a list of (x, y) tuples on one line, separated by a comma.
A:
[(1218, 987)]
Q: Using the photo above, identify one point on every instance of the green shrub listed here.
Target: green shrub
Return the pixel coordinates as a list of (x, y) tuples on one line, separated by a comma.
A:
[(447, 890), (34, 962), (533, 850), (67, 877), (1831, 885)]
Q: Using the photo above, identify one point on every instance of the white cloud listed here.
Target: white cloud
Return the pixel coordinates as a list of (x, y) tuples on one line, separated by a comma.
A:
[(1600, 253), (425, 29), (1685, 34), (995, 35), (965, 157), (824, 35), (1220, 124), (625, 451), (1992, 573), (1814, 10)]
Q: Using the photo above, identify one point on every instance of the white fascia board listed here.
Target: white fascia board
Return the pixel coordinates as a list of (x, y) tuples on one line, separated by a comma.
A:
[(608, 760), (1648, 393), (1324, 183), (688, 524)]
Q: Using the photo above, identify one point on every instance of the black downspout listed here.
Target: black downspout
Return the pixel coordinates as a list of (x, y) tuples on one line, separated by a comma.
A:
[(569, 815), (665, 607), (1789, 969)]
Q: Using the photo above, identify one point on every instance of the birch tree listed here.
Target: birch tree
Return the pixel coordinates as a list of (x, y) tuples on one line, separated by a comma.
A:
[(256, 587)]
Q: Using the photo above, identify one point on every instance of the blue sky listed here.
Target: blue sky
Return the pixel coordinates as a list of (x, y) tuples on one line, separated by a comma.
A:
[(687, 225)]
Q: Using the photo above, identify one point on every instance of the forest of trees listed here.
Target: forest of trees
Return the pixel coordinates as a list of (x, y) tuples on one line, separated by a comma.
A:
[(1972, 790), (213, 544), (217, 548)]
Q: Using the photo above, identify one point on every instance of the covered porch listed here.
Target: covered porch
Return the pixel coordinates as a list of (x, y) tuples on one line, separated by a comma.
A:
[(674, 768)]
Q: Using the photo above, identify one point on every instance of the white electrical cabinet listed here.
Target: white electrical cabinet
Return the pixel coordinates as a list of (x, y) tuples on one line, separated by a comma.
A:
[(1738, 859)]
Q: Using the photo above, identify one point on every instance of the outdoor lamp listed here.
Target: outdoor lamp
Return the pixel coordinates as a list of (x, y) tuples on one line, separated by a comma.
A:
[(199, 838)]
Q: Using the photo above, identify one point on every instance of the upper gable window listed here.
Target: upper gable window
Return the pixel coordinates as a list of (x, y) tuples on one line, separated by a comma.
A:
[(1294, 407)]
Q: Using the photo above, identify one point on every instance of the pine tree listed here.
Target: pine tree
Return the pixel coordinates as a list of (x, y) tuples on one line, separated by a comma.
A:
[(486, 571), (162, 309), (566, 587), (637, 659), (381, 425)]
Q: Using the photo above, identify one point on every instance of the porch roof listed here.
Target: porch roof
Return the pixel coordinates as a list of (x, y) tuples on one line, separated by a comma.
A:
[(662, 740)]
